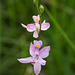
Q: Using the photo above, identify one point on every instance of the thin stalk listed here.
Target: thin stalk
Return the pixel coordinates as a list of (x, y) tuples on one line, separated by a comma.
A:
[(40, 28), (40, 23), (0, 31)]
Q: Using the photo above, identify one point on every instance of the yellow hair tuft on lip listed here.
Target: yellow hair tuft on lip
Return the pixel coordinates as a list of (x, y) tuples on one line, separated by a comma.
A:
[(37, 45), (36, 20)]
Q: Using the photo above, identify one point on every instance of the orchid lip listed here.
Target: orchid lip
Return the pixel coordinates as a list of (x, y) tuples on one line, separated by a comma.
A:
[(36, 20)]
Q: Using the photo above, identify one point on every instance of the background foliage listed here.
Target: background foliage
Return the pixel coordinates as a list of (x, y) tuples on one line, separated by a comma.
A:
[(15, 40)]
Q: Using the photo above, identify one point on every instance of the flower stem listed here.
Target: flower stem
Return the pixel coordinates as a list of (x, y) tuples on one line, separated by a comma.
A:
[(40, 28), (40, 21), (40, 24)]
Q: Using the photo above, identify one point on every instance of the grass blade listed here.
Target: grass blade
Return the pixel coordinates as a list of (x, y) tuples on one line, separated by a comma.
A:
[(60, 29), (0, 31)]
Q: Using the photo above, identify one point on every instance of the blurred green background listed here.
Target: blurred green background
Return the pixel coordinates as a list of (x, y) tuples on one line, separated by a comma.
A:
[(15, 40)]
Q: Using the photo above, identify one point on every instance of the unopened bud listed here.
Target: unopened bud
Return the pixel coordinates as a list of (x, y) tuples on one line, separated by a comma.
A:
[(35, 2), (41, 9)]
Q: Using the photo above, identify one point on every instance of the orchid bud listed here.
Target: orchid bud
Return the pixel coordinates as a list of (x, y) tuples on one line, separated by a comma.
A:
[(41, 9), (35, 2)]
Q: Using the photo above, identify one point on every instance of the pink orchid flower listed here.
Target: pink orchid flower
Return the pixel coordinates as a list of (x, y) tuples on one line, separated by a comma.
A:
[(36, 58), (36, 26)]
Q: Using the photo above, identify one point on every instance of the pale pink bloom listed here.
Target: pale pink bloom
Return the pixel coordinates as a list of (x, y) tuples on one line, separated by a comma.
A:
[(36, 26), (32, 27), (37, 56), (36, 18)]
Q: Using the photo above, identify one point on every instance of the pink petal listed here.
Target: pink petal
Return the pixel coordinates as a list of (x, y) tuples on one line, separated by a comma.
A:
[(32, 50), (35, 34), (34, 18), (37, 68), (25, 60), (37, 25), (38, 43), (41, 61), (44, 52), (31, 27), (24, 25), (45, 26), (37, 52)]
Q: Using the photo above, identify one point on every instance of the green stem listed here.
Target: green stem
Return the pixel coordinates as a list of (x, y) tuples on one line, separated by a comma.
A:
[(40, 28), (40, 22)]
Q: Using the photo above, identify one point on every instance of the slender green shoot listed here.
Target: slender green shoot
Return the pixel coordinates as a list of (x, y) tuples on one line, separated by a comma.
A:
[(60, 29)]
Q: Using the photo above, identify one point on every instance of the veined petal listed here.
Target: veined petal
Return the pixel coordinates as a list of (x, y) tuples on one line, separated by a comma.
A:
[(32, 50), (41, 61), (25, 60), (31, 27), (38, 43), (36, 18), (37, 68), (44, 52), (23, 25), (45, 26), (35, 34)]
